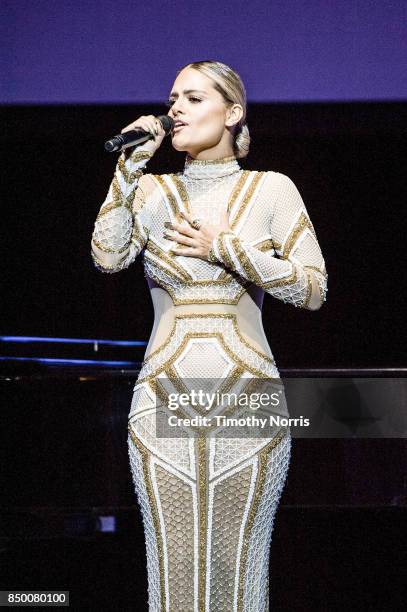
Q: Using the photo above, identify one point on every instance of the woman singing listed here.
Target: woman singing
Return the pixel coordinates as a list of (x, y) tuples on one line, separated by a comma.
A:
[(214, 238)]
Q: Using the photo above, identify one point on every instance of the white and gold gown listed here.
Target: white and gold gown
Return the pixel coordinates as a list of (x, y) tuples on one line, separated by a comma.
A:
[(208, 503)]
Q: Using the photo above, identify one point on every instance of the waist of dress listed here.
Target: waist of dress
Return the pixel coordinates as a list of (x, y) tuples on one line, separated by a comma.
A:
[(215, 308)]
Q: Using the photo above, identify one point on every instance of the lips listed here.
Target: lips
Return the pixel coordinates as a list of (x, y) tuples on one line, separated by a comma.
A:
[(179, 124)]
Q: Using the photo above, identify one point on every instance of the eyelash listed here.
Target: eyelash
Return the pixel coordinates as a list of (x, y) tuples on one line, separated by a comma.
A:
[(171, 102)]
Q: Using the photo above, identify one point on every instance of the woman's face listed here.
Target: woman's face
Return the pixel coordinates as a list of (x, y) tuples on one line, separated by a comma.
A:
[(196, 102)]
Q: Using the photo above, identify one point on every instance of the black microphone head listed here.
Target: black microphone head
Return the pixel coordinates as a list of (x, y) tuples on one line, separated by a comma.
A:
[(167, 122), (111, 146)]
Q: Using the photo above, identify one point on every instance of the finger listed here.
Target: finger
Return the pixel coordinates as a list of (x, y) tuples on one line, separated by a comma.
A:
[(184, 229), (160, 126), (180, 239), (153, 129), (188, 217), (148, 126), (188, 252), (153, 123)]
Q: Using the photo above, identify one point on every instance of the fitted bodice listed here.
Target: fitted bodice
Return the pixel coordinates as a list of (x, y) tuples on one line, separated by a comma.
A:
[(270, 245), (206, 190)]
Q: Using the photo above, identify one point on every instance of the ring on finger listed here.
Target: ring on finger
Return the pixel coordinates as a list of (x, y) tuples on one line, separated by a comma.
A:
[(196, 223)]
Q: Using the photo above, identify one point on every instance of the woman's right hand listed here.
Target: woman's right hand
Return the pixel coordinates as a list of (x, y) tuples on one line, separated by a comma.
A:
[(148, 123)]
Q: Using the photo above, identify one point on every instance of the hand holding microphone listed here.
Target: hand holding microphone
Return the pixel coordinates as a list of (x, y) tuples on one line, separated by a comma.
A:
[(147, 129)]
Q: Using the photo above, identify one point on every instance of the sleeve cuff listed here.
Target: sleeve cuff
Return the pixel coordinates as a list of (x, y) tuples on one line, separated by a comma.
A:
[(214, 255)]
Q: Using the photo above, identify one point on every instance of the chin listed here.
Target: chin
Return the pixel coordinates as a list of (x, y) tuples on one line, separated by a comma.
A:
[(179, 146)]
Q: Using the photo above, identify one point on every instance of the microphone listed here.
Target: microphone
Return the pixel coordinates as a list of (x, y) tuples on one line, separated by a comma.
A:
[(132, 138)]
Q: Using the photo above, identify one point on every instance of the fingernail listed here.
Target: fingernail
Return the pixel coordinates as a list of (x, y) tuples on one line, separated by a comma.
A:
[(168, 224)]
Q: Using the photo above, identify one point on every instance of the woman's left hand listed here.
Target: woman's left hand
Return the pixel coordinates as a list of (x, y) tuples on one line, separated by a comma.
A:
[(197, 242)]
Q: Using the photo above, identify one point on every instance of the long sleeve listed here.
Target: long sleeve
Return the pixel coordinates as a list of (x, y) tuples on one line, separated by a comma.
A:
[(121, 226), (294, 269)]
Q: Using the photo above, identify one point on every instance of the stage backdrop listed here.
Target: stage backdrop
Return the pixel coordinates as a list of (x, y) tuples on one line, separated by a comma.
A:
[(108, 51)]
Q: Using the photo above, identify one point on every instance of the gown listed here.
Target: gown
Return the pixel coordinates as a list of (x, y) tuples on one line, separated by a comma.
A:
[(208, 503)]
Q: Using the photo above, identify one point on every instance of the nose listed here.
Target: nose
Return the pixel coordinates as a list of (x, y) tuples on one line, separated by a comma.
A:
[(176, 108)]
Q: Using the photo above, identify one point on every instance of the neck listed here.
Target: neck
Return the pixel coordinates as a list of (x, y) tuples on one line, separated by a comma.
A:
[(210, 168), (213, 153)]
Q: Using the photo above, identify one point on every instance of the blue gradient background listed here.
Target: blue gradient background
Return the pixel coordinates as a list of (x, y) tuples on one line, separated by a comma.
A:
[(105, 51)]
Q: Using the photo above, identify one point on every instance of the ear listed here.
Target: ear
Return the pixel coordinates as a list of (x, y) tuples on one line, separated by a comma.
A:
[(234, 114)]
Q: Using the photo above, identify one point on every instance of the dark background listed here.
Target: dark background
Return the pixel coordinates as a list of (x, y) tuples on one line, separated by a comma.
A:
[(347, 160), (63, 453)]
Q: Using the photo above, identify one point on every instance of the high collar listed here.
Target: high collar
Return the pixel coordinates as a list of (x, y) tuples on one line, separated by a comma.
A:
[(210, 168)]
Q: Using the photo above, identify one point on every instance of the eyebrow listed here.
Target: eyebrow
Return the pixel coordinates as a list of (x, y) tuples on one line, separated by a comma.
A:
[(186, 91)]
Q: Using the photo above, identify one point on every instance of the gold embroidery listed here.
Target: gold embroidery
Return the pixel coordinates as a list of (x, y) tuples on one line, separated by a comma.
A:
[(221, 280), (156, 263), (308, 292), (168, 194), (252, 273), (265, 245), (263, 456), (128, 176), (118, 196), (161, 392), (190, 284), (238, 189), (235, 358), (117, 192), (185, 198), (153, 505), (255, 350), (202, 488), (161, 254), (182, 191), (109, 250), (247, 197), (191, 161), (281, 282), (206, 300), (301, 224), (223, 251), (107, 208), (224, 274), (137, 235), (106, 266), (245, 262), (138, 156)]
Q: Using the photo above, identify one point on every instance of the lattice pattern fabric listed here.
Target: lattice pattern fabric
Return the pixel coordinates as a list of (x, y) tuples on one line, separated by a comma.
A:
[(272, 242), (208, 505)]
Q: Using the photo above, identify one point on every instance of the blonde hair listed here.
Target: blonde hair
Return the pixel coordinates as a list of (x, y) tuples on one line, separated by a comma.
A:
[(229, 84)]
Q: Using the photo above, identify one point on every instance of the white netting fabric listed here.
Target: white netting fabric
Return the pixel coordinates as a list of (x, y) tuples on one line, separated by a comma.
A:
[(262, 207), (208, 197), (256, 584), (177, 451), (190, 365), (113, 230), (153, 568)]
